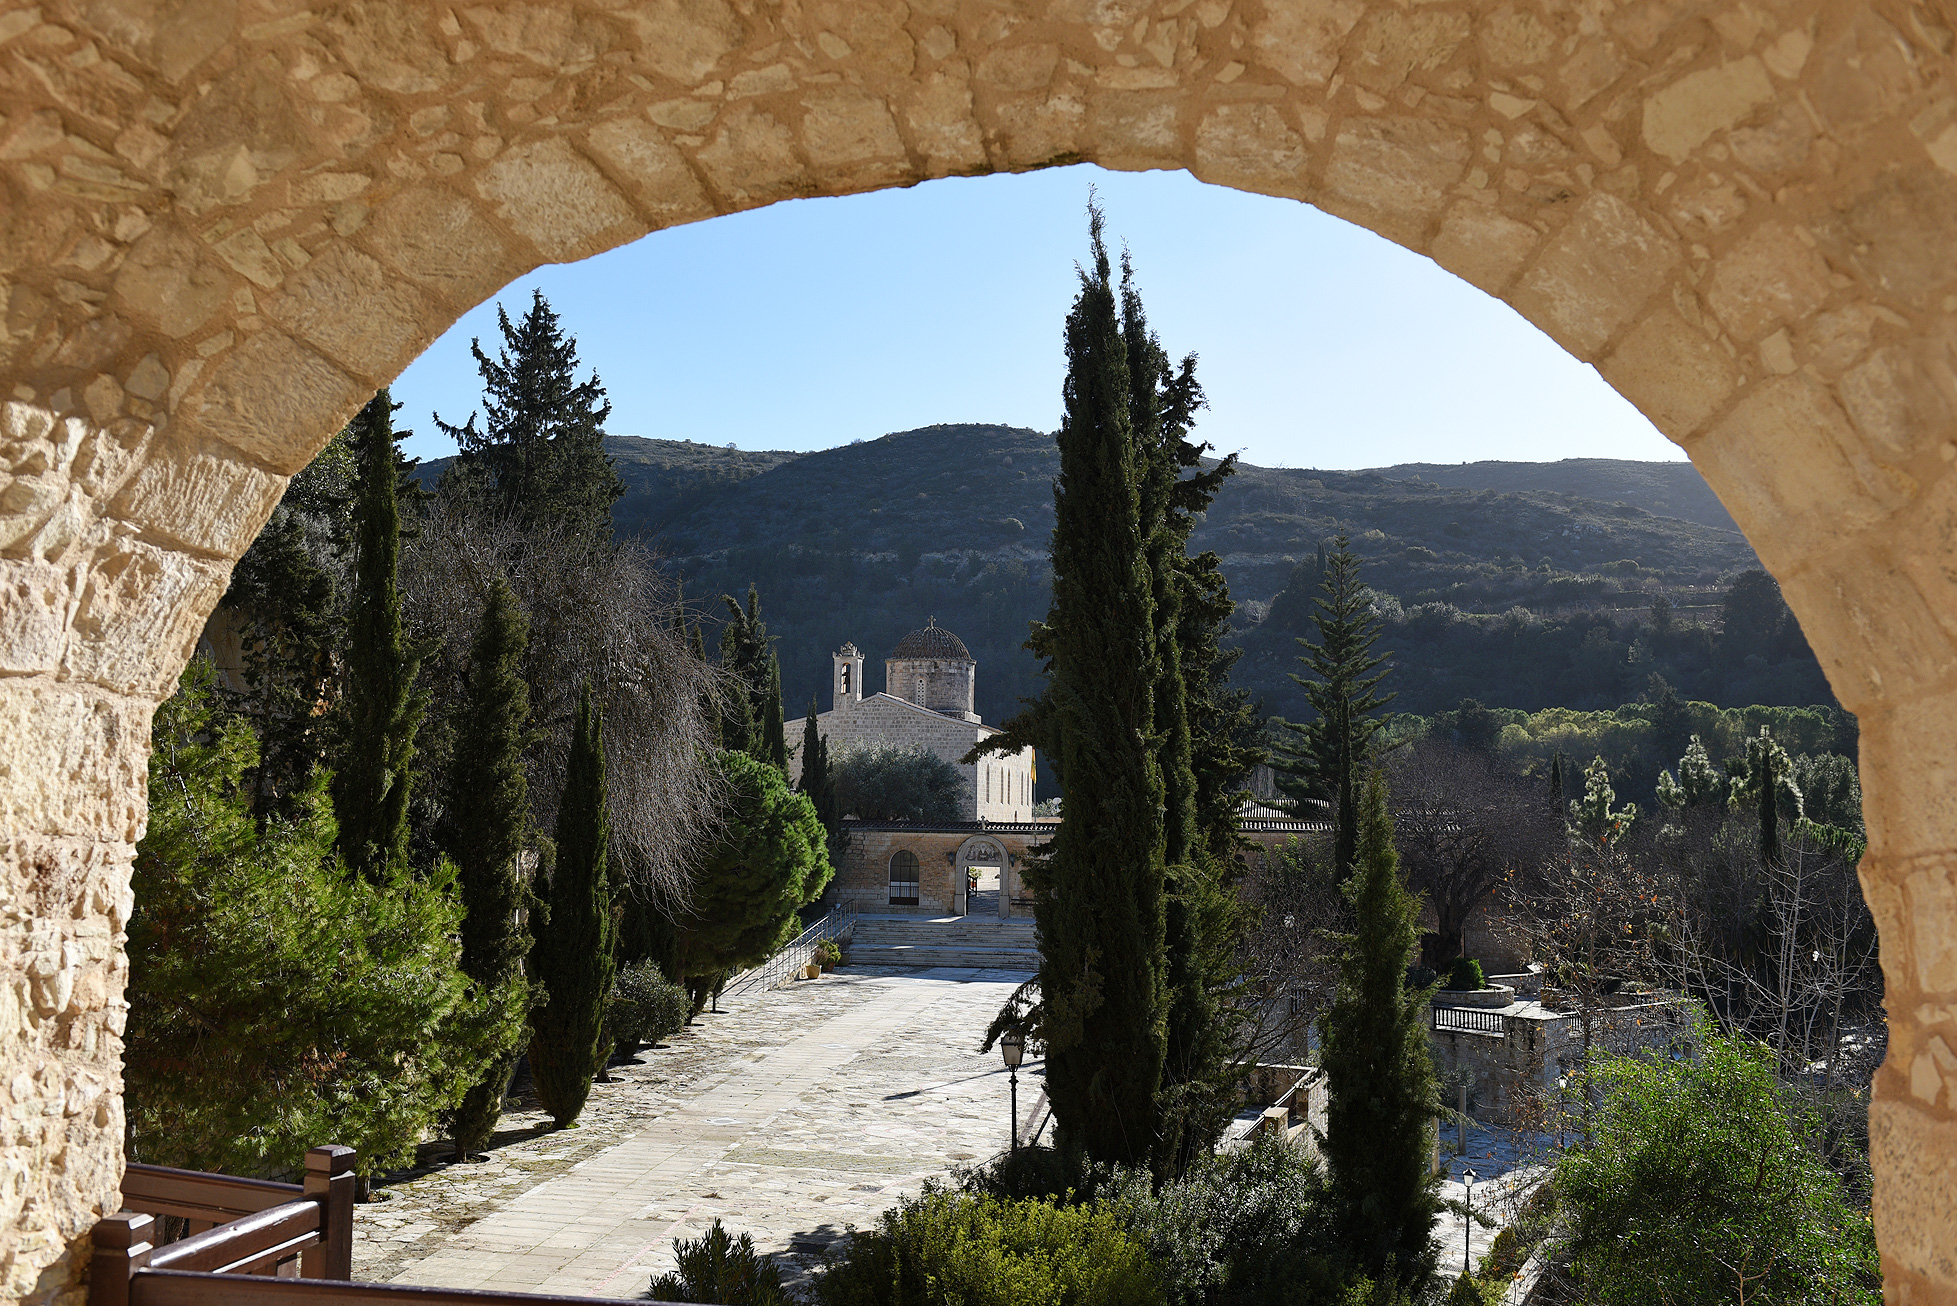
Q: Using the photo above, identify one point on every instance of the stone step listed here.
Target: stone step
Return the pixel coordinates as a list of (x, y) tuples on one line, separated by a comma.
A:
[(981, 936), (908, 956)]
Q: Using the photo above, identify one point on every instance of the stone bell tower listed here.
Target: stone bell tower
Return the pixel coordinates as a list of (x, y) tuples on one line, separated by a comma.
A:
[(847, 686)]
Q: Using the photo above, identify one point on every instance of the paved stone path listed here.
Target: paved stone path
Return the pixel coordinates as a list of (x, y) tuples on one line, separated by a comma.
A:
[(791, 1117)]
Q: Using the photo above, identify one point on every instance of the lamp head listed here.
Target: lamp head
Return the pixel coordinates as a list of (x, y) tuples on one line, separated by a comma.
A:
[(1470, 1176), (1013, 1048)]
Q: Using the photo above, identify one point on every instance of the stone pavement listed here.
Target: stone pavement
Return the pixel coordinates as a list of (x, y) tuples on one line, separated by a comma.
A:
[(790, 1117)]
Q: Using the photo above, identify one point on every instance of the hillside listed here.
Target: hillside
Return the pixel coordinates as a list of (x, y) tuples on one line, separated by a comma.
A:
[(1667, 489), (865, 541)]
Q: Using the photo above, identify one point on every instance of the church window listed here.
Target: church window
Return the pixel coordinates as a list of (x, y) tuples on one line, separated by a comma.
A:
[(988, 784), (903, 878), (845, 679)]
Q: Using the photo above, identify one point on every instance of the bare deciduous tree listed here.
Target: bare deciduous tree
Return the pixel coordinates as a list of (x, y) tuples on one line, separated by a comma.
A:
[(598, 611), (1464, 820)]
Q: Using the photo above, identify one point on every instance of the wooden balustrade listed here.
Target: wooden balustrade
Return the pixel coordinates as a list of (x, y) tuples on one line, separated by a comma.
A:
[(170, 1288), (236, 1227), (253, 1242)]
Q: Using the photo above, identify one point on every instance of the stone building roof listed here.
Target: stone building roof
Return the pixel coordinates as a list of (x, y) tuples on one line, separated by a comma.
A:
[(932, 642)]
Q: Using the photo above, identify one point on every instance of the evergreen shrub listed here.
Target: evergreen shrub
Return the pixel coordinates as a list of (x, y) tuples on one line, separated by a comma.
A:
[(1766, 1219), (1465, 976), (719, 1268), (646, 1006), (950, 1248)]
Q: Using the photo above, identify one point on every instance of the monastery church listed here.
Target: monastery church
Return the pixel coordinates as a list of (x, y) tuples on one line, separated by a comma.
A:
[(929, 689)]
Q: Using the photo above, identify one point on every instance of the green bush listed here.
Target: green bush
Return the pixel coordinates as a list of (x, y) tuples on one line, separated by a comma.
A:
[(1475, 1292), (277, 1001), (828, 953), (957, 1249), (1243, 1228), (646, 1006), (1704, 1183), (719, 1268), (1466, 976), (1505, 1257)]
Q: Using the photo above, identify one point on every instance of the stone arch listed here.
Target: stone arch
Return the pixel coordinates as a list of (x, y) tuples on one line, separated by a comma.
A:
[(981, 850), (222, 226)]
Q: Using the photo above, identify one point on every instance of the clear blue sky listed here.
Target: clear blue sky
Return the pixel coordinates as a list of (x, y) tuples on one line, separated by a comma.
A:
[(816, 322)]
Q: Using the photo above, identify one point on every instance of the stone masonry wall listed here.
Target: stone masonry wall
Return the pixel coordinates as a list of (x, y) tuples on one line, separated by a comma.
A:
[(223, 223)]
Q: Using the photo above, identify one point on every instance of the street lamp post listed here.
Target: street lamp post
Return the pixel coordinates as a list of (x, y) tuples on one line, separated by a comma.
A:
[(1468, 1229), (1012, 1047)]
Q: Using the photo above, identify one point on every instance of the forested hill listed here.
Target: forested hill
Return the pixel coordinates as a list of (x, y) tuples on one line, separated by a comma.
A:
[(866, 541), (1667, 489)]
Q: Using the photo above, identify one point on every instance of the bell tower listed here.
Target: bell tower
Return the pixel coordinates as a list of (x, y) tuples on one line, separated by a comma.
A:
[(847, 687)]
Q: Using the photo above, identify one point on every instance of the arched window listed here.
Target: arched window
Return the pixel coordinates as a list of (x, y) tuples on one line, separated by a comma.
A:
[(903, 878)]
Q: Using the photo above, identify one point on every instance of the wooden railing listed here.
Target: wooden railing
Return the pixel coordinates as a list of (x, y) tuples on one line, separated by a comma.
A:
[(251, 1242), (232, 1226)]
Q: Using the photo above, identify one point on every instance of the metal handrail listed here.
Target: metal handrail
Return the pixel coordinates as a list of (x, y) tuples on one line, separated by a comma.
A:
[(837, 923)]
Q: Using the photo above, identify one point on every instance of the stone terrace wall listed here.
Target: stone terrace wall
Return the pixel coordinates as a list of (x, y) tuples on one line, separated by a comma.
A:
[(223, 223)]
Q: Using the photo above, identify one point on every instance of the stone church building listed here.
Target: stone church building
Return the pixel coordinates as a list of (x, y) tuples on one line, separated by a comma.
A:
[(929, 689)]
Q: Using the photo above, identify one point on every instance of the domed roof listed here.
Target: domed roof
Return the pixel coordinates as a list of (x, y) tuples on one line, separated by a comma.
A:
[(932, 642)]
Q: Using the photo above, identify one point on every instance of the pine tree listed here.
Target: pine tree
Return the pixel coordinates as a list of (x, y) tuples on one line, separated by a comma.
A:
[(1328, 761), (573, 955), (382, 709), (1594, 823), (769, 861), (1698, 783), (1766, 778), (1383, 1093), (486, 832), (541, 452), (1099, 897)]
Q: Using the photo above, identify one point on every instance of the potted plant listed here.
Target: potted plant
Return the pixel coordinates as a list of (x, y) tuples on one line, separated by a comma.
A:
[(828, 954), (813, 969)]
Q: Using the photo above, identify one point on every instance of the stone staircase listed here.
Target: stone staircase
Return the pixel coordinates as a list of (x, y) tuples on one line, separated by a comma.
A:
[(921, 943)]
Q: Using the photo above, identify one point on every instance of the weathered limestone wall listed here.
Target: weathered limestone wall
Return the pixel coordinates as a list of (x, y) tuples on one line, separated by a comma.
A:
[(223, 223), (882, 719)]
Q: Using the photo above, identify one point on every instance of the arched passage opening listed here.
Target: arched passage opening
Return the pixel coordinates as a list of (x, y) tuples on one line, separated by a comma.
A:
[(224, 226)]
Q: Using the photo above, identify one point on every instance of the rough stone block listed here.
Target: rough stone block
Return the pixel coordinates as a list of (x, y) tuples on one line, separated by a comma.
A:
[(444, 242), (1909, 777), (1770, 276), (751, 159), (1877, 636), (1684, 115), (208, 498), (651, 170), (1392, 173), (1895, 402), (558, 201), (1300, 39), (1482, 245), (1914, 1153), (169, 282), (72, 761), (355, 312), (1595, 275), (1668, 368), (138, 616), (36, 603), (852, 136), (276, 400), (1787, 464), (942, 127), (1250, 144)]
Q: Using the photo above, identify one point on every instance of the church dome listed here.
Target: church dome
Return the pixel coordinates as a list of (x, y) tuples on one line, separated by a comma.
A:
[(932, 642)]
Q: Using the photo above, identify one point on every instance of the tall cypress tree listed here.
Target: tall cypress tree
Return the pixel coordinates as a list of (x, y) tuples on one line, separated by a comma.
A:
[(541, 452), (1381, 1108), (774, 739), (575, 941), (1328, 761), (381, 708), (1099, 896), (744, 654), (818, 782), (1197, 1096), (485, 833)]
